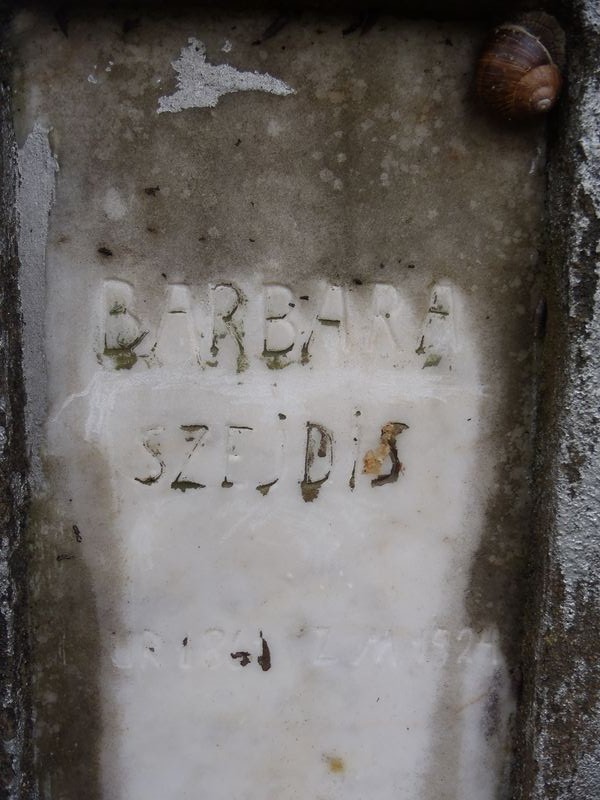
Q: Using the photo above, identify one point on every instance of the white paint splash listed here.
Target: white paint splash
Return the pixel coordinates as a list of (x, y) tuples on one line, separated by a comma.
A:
[(35, 196), (200, 84)]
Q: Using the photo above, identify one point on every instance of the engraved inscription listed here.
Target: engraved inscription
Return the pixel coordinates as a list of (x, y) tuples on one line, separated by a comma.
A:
[(235, 327), (228, 300), (187, 456), (186, 479), (318, 460), (122, 332), (151, 444), (177, 339), (322, 647), (438, 339), (280, 333)]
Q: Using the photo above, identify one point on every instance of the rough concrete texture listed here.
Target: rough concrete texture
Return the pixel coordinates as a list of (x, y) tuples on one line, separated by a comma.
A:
[(15, 716), (560, 726)]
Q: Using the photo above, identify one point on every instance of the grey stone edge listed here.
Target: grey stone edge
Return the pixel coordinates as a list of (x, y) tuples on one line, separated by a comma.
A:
[(558, 740), (558, 744), (15, 714)]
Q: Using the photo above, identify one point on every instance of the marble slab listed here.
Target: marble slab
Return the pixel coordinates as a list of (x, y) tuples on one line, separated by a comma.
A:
[(278, 295)]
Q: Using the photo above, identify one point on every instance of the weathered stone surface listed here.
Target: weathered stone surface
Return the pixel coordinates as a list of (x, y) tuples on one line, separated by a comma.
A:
[(288, 336), (15, 709), (560, 725), (175, 223)]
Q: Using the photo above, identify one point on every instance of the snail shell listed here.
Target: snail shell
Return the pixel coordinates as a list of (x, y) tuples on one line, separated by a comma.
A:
[(519, 71)]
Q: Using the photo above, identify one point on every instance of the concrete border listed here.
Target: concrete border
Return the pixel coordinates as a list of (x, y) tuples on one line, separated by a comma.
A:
[(558, 750), (15, 716)]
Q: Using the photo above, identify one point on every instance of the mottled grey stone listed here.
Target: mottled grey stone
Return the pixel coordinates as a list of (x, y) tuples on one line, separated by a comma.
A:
[(15, 712), (560, 725)]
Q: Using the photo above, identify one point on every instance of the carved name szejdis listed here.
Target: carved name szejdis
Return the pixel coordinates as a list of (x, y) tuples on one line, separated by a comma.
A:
[(271, 325), (192, 469)]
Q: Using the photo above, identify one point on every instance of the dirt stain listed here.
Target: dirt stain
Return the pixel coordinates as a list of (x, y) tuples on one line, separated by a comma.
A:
[(243, 656), (335, 764), (263, 488), (264, 658), (387, 448)]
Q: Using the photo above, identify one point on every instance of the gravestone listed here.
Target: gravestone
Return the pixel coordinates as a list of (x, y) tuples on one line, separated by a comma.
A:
[(279, 294)]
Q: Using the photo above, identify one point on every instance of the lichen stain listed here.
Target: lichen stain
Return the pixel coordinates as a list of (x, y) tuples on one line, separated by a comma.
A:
[(264, 488), (374, 459), (276, 359), (124, 356), (335, 764), (310, 489), (305, 354), (432, 360)]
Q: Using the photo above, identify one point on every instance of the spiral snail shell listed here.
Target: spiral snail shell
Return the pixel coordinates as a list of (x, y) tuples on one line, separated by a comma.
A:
[(519, 71)]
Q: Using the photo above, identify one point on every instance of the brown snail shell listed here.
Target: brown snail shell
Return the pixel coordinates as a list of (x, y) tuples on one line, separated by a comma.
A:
[(519, 70)]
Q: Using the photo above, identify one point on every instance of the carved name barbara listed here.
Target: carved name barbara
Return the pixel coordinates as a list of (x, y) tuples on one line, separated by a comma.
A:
[(230, 324)]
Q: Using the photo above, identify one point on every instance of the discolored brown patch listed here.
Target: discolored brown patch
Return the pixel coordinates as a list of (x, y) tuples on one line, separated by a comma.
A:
[(374, 459), (335, 764)]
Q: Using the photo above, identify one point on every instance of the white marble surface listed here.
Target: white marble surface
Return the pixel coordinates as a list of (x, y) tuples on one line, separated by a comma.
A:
[(357, 591), (281, 461)]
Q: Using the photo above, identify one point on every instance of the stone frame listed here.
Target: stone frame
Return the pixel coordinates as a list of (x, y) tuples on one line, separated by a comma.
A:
[(557, 746)]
